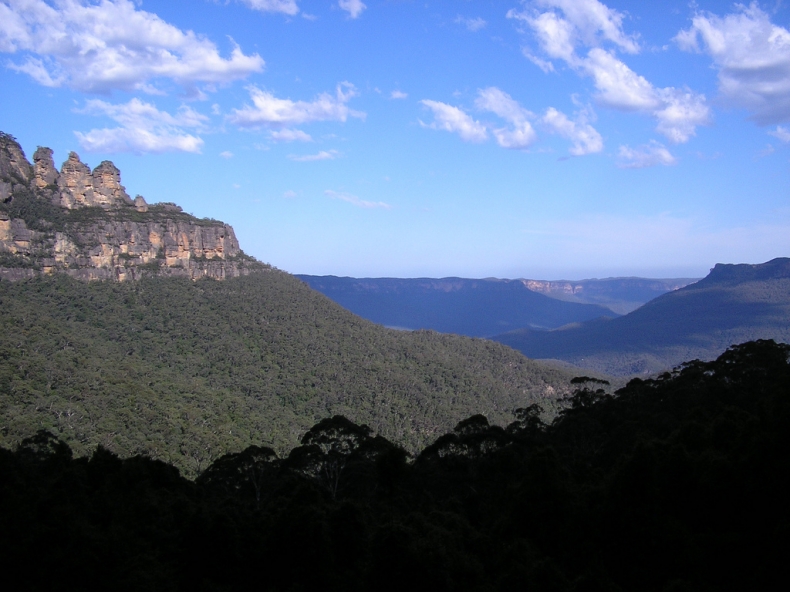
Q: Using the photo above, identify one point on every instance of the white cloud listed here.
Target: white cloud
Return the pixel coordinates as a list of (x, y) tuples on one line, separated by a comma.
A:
[(143, 128), (110, 45), (782, 133), (521, 134), (269, 111), (472, 24), (322, 155), (353, 7), (290, 194), (397, 94), (619, 86), (290, 135), (555, 34), (583, 22), (569, 25), (648, 155), (584, 137), (454, 120), (284, 6), (354, 200), (226, 154), (752, 56), (680, 113)]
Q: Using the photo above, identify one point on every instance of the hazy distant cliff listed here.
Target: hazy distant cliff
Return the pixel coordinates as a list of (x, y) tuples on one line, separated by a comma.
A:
[(83, 223)]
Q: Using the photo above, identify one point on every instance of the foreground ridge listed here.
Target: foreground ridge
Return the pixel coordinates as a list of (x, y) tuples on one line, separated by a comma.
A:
[(83, 223), (668, 485)]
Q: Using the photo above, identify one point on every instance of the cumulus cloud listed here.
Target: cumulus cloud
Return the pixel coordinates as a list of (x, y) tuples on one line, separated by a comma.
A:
[(752, 56), (354, 200), (290, 135), (397, 94), (583, 22), (110, 45), (284, 6), (143, 129), (472, 24), (323, 155), (496, 101), (781, 133), (648, 155), (353, 7), (269, 111), (569, 25), (454, 120), (585, 138)]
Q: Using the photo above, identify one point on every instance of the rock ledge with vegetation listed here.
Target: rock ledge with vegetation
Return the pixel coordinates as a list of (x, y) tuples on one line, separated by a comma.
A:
[(83, 223)]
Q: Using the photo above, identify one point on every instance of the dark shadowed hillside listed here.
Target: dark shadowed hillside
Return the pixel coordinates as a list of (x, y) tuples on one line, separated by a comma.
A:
[(478, 308), (734, 303), (668, 485)]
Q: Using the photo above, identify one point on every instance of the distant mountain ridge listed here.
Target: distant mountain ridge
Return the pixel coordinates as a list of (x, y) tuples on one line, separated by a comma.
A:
[(733, 304), (620, 294), (472, 307), (487, 307)]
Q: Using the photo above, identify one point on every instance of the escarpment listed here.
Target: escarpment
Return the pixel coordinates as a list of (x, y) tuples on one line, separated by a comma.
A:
[(82, 222)]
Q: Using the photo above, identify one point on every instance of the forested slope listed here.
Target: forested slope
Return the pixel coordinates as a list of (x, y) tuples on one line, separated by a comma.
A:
[(185, 371)]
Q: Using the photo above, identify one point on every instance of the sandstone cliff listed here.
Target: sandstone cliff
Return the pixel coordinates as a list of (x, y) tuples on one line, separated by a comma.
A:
[(83, 223)]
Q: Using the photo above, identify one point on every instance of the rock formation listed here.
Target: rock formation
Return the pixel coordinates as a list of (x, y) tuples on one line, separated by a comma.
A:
[(83, 223)]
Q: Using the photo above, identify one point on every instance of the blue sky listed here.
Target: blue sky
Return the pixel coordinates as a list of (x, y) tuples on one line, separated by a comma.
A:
[(545, 139)]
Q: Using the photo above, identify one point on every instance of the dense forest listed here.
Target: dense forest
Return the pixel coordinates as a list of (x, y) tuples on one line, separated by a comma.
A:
[(186, 371), (672, 484)]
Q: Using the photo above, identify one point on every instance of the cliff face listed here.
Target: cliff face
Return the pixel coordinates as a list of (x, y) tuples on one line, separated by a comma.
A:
[(83, 223)]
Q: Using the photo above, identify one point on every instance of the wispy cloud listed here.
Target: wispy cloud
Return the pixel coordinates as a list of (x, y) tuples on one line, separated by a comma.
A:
[(781, 133), (454, 120), (644, 156), (472, 24), (144, 128), (585, 138), (323, 155), (275, 113), (290, 135), (397, 94), (111, 45), (520, 134), (288, 7), (354, 8), (226, 154), (354, 200)]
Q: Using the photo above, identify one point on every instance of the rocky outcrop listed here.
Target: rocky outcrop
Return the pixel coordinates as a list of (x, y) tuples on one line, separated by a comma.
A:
[(83, 223), (79, 187)]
